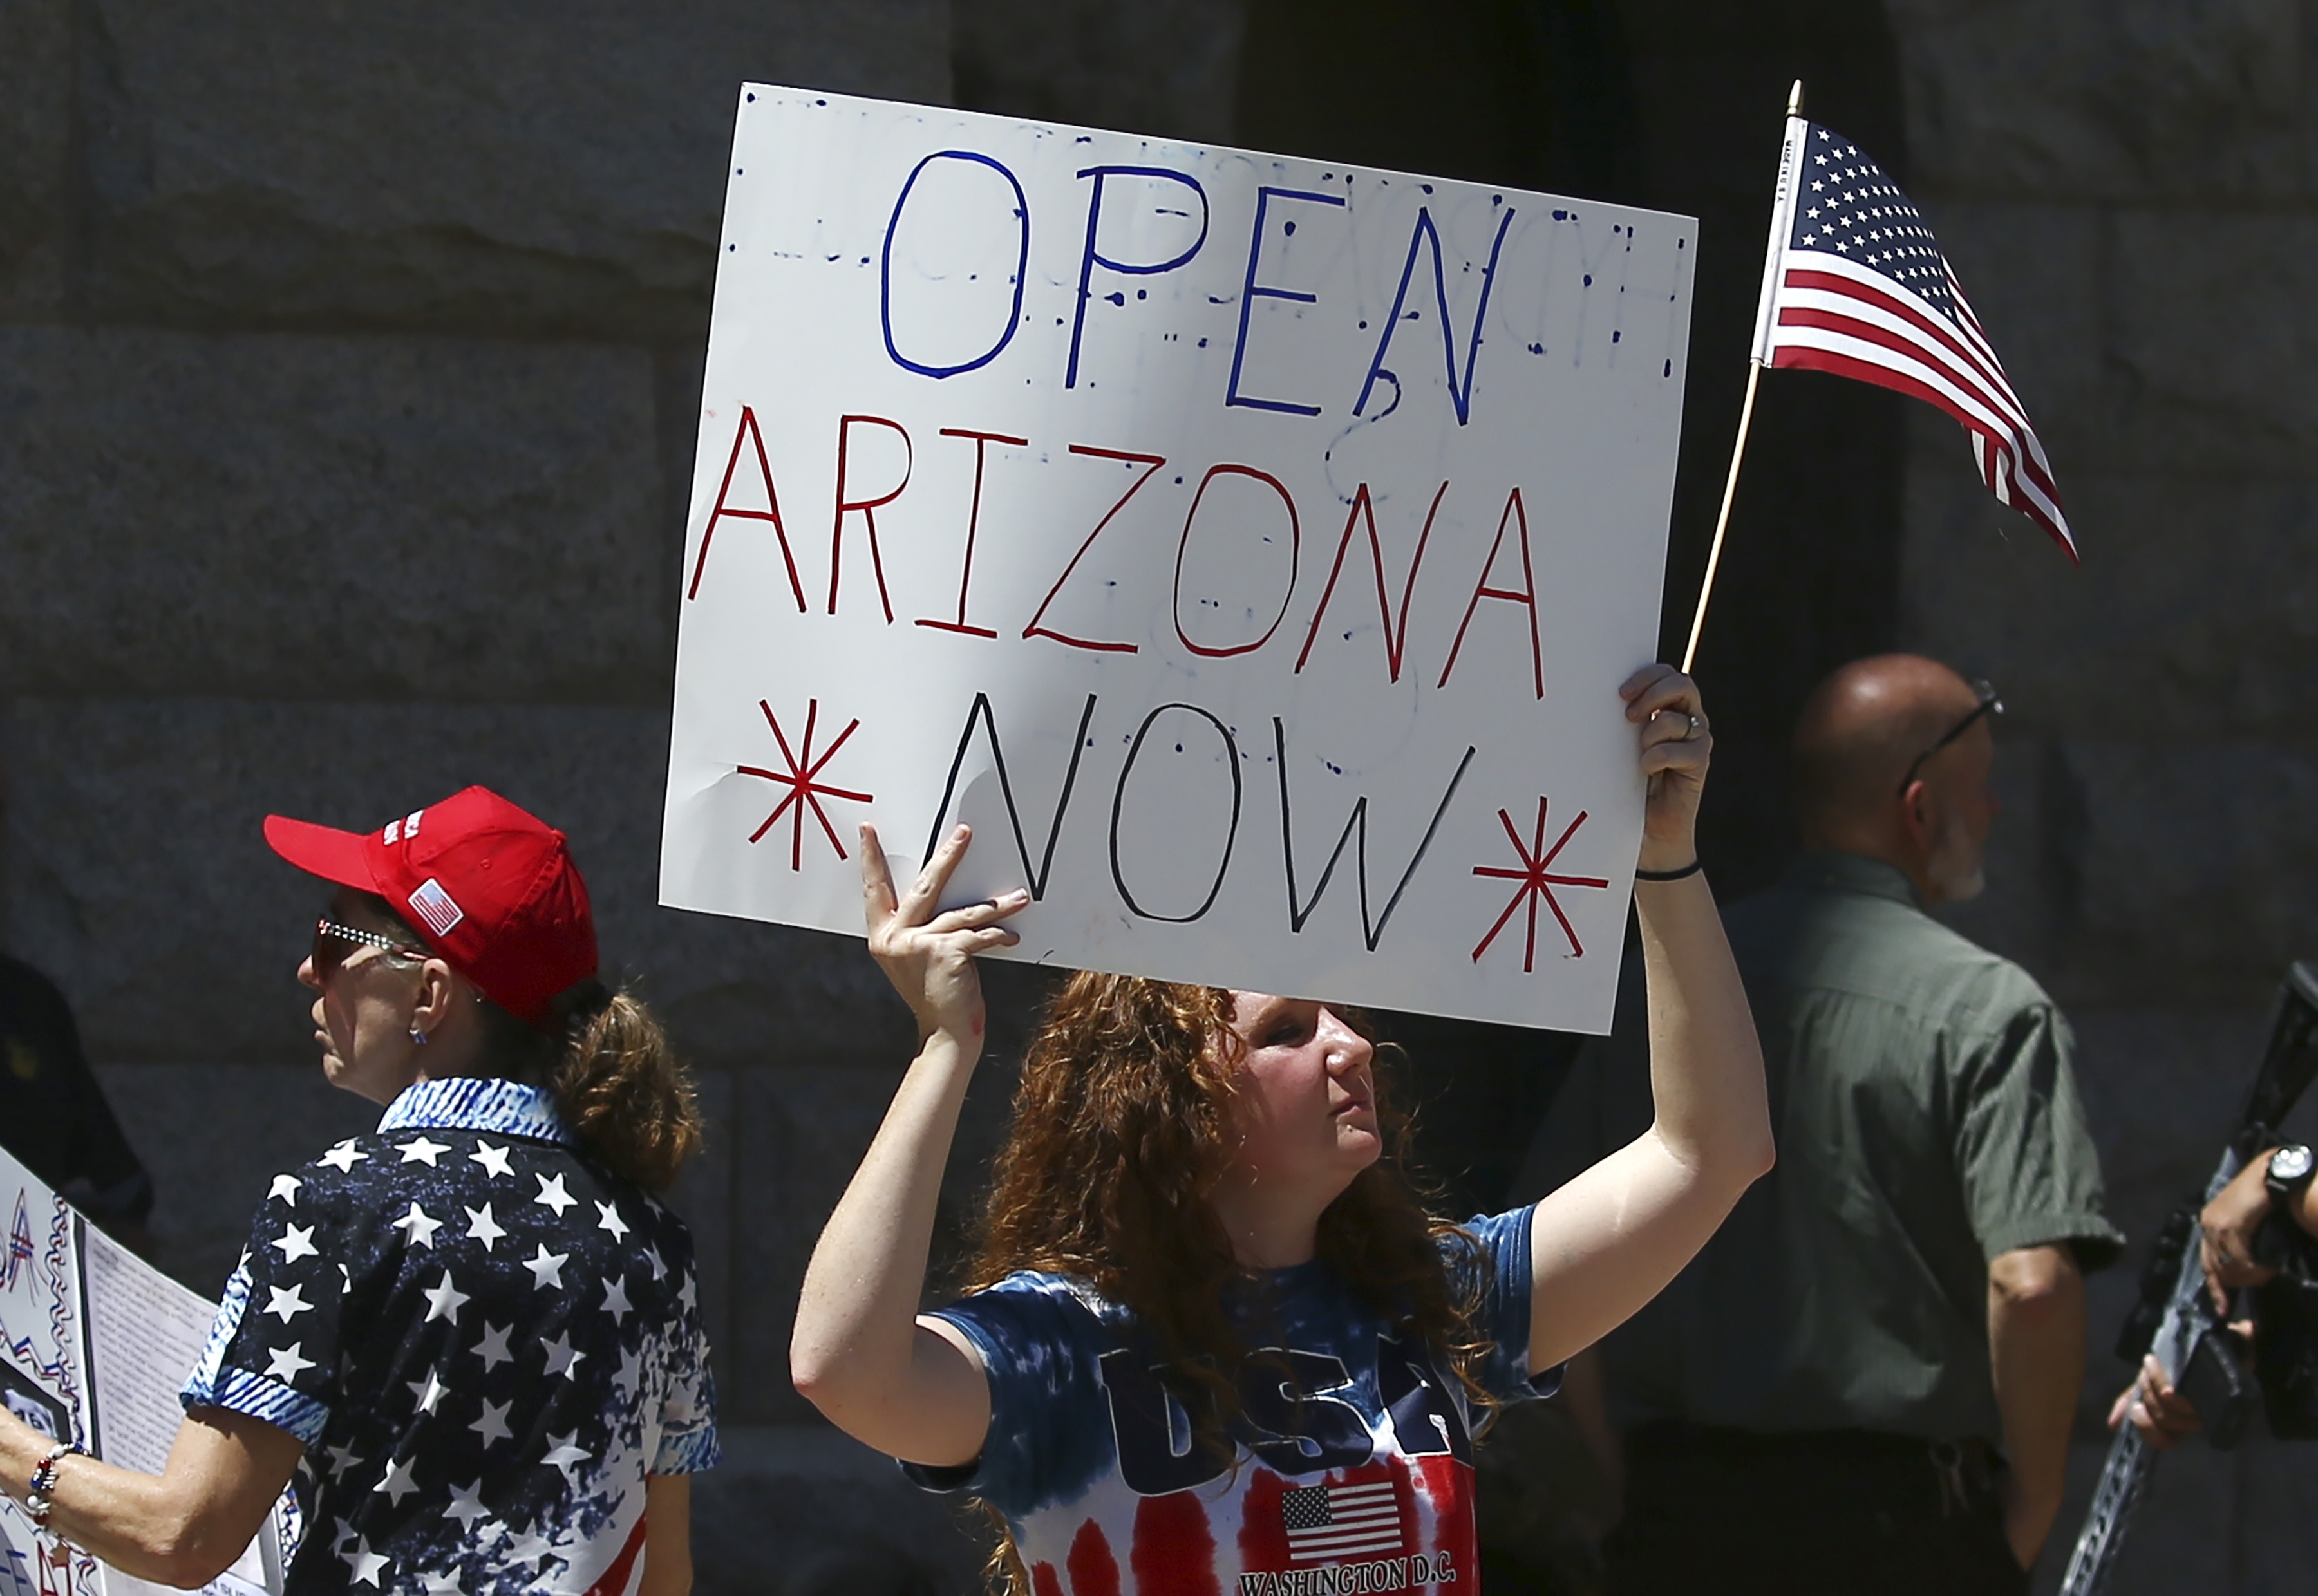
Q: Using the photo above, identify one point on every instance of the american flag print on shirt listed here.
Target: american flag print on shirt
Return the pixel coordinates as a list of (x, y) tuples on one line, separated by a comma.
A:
[(1857, 285), (1326, 1523), (1352, 1472)]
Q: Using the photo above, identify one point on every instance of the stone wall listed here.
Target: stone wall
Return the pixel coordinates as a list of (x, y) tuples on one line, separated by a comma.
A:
[(348, 360), (348, 368), (2129, 195)]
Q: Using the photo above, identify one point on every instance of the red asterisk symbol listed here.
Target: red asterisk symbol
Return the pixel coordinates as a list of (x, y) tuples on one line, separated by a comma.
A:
[(803, 779), (1537, 881)]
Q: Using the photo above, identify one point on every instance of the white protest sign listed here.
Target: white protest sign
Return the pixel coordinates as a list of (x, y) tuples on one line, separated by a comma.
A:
[(1249, 548), (94, 1344)]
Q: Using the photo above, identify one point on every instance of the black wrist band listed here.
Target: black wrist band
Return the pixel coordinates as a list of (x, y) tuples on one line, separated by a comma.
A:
[(1693, 868)]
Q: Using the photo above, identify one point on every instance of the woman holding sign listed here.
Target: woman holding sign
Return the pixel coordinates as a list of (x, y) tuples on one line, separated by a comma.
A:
[(458, 1419), (1214, 1336)]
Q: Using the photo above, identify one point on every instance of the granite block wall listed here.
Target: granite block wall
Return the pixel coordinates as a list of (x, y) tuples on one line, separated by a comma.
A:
[(348, 362), (2129, 193), (348, 369), (512, 168)]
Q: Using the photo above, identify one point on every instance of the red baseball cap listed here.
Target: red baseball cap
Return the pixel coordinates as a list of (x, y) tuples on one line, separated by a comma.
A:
[(489, 886)]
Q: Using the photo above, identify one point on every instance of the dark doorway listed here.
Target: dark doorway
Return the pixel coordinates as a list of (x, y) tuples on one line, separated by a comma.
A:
[(1674, 105), (1678, 107), (1811, 569)]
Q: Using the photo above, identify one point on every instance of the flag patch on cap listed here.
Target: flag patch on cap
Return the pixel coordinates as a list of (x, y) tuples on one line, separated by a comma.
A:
[(432, 904)]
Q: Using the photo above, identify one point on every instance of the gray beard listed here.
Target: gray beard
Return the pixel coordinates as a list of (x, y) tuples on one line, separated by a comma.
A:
[(1955, 868)]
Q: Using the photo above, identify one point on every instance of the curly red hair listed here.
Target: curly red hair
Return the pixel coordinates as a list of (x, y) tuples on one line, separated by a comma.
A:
[(1121, 1129)]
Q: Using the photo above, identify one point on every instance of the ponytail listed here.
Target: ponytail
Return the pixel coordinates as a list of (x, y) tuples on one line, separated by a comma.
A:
[(620, 1087), (615, 1080)]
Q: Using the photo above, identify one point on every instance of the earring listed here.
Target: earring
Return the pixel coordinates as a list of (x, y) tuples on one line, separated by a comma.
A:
[(417, 1037)]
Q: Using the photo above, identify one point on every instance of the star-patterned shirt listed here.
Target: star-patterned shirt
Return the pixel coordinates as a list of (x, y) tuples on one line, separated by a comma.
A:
[(487, 1343)]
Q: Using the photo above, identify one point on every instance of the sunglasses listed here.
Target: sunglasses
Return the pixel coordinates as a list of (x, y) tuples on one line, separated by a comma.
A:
[(335, 944), (1990, 704)]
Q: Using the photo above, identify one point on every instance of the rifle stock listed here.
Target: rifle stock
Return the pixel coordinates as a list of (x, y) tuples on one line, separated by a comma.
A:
[(2287, 1069)]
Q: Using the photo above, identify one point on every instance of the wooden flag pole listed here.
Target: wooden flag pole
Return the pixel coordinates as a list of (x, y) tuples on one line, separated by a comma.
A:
[(1722, 520), (1738, 454)]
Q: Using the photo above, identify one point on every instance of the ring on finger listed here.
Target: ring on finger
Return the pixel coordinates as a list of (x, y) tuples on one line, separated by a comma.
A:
[(1695, 729)]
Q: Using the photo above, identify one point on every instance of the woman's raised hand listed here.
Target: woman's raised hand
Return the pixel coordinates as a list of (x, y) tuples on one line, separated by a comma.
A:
[(858, 1351), (928, 957), (1676, 748)]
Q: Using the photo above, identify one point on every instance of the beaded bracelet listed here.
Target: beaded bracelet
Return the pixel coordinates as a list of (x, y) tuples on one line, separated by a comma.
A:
[(42, 1496)]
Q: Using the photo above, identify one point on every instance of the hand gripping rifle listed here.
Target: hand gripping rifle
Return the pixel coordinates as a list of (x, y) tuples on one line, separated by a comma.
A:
[(2202, 1357)]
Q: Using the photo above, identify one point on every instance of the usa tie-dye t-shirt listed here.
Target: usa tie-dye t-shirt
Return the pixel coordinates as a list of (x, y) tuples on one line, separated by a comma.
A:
[(1355, 1465)]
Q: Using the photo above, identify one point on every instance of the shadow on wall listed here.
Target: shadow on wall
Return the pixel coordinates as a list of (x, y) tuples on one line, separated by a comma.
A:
[(792, 1513), (1678, 107)]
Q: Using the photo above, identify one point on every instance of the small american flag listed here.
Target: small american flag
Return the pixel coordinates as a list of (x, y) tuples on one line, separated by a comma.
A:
[(1329, 1521), (1855, 284)]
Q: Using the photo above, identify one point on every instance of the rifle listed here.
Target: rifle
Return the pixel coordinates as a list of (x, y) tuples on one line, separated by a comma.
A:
[(2203, 1358)]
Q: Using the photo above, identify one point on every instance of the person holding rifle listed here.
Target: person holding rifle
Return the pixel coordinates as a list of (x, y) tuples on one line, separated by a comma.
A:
[(2275, 1190), (1213, 1342)]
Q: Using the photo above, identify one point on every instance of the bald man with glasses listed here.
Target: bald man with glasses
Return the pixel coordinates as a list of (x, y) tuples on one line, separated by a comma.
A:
[(1866, 1380)]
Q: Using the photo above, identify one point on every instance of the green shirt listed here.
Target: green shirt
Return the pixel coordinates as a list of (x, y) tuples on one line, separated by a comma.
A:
[(1927, 1120)]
